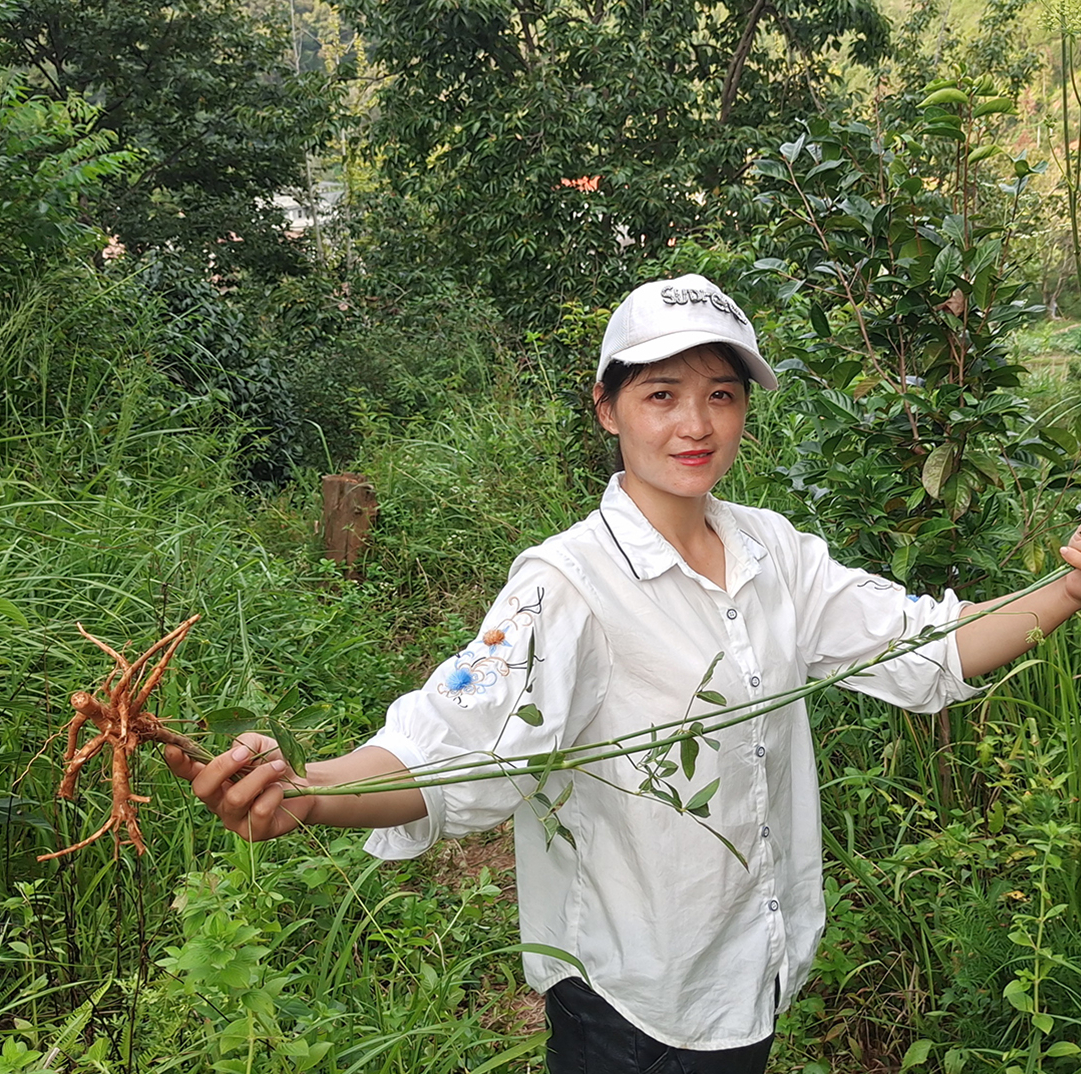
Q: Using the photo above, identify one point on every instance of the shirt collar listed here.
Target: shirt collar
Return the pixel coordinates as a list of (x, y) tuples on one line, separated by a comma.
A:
[(646, 554)]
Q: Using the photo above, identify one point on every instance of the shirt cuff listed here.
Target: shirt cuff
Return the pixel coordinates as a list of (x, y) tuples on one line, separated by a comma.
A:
[(412, 839)]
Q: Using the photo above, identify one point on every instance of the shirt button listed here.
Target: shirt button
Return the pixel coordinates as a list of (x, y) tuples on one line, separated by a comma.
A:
[(765, 831), (760, 751), (732, 613), (755, 680), (774, 904)]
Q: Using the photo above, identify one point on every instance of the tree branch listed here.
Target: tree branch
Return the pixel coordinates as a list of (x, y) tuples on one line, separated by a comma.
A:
[(739, 58)]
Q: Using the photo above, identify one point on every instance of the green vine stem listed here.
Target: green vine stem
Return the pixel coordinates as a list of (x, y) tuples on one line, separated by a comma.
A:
[(483, 766)]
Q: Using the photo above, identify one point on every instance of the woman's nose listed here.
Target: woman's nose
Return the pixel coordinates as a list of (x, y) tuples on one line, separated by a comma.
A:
[(695, 421)]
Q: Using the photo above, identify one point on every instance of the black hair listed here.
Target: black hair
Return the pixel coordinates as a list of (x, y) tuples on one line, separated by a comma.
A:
[(617, 375)]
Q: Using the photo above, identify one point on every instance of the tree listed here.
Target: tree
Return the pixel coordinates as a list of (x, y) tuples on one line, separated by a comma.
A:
[(51, 158), (551, 146), (205, 94)]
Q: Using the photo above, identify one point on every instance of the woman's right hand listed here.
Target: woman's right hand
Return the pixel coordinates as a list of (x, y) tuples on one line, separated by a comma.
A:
[(254, 806)]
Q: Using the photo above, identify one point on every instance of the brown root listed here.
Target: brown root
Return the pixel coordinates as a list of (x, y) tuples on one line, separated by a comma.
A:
[(122, 726)]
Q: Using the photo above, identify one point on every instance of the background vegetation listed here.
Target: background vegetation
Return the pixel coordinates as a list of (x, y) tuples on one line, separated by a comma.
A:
[(482, 180)]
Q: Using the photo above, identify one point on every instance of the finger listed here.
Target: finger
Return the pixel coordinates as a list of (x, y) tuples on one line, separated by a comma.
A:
[(1071, 553), (210, 782), (181, 764), (258, 794)]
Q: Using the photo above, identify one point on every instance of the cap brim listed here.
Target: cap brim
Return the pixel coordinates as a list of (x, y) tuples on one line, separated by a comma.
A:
[(656, 350)]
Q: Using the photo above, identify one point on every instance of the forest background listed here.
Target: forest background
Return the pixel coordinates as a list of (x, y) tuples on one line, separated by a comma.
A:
[(250, 244)]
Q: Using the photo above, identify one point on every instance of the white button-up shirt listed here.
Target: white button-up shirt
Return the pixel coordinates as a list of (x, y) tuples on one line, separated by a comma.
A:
[(675, 932)]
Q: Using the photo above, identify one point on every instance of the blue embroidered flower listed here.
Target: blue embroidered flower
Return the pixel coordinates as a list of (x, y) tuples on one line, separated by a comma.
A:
[(459, 679)]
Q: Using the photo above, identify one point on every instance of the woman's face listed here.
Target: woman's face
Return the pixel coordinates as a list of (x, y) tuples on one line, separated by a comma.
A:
[(679, 424)]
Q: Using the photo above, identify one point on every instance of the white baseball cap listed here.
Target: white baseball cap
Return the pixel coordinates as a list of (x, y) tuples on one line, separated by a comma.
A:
[(664, 317)]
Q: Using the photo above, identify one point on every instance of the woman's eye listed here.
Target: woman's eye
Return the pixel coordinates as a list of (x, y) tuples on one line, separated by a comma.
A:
[(661, 395)]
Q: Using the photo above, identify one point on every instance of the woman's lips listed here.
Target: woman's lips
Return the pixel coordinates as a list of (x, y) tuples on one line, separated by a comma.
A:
[(693, 458)]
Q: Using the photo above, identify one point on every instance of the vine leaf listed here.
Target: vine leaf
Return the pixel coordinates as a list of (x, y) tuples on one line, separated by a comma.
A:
[(688, 754), (700, 799), (728, 843), (531, 715), (709, 671), (231, 721), (290, 746)]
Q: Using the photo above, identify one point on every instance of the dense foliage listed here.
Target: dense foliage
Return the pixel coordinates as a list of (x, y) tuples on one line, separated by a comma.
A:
[(204, 94), (547, 149)]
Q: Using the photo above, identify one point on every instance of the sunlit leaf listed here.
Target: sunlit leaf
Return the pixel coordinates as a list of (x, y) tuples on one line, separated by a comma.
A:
[(943, 97), (937, 468), (917, 1054)]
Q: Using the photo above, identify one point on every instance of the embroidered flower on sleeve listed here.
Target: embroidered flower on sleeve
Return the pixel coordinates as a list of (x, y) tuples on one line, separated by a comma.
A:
[(494, 638), (475, 670), (461, 678)]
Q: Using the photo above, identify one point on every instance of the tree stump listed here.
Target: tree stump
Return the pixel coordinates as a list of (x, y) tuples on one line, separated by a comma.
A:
[(349, 508)]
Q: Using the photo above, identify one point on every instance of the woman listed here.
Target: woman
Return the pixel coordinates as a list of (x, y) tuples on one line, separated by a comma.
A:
[(609, 628)]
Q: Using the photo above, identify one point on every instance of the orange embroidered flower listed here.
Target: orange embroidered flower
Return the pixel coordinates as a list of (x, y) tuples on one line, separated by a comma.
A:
[(493, 637)]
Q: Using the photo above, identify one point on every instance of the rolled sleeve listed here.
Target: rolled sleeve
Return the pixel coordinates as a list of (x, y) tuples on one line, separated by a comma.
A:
[(539, 645)]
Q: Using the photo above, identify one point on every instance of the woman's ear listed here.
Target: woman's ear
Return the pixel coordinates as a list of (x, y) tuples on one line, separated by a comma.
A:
[(603, 409)]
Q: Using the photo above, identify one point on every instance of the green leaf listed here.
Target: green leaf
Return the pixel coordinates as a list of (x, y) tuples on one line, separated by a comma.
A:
[(993, 106), (700, 798), (937, 468), (902, 560), (943, 97), (531, 654), (772, 168), (711, 697), (917, 1054), (1014, 993), (826, 166), (953, 1062), (1043, 1022), (947, 269), (820, 322), (710, 670), (996, 818), (289, 699), (982, 152), (729, 845), (688, 754), (531, 715), (988, 465), (231, 721), (499, 1062), (310, 715), (290, 745), (10, 611), (1062, 1047), (791, 150)]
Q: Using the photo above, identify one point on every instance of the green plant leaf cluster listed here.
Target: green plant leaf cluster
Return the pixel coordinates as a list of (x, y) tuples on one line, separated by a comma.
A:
[(919, 450)]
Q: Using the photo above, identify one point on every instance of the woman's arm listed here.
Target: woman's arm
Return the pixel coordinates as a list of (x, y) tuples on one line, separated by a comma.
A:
[(254, 806), (996, 639)]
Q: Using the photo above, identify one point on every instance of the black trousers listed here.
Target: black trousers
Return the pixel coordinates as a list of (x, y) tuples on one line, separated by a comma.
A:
[(589, 1036)]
